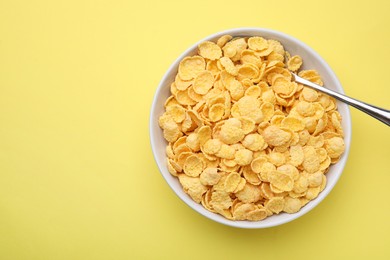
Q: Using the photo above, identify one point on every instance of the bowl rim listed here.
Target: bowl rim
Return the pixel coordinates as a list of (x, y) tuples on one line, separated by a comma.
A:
[(252, 224)]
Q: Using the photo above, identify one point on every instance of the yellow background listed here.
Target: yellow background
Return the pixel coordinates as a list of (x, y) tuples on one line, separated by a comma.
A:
[(77, 175)]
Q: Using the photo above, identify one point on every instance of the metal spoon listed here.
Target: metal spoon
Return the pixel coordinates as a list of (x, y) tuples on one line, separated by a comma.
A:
[(381, 114)]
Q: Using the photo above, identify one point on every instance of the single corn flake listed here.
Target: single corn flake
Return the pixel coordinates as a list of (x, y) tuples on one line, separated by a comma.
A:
[(212, 146), (232, 181), (193, 166), (243, 157), (226, 152), (177, 112), (253, 142), (223, 40), (248, 125), (257, 43), (220, 200), (275, 204), (257, 214), (190, 67), (293, 123), (210, 50), (210, 176), (203, 82), (335, 146), (292, 205), (231, 134), (241, 211), (257, 164), (275, 136), (294, 63), (192, 187), (281, 181), (229, 66), (310, 162), (216, 112), (182, 84), (250, 193)]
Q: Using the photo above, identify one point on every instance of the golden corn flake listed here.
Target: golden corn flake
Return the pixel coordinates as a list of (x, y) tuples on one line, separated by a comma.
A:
[(216, 112), (203, 82), (250, 193), (243, 138), (292, 205), (248, 125), (334, 146), (312, 193), (242, 210), (294, 63), (229, 66), (257, 43), (236, 89), (231, 134), (223, 40), (293, 123), (204, 134), (296, 155), (193, 166), (210, 50), (251, 176), (257, 164), (184, 99), (281, 181), (243, 157), (247, 71), (193, 142), (177, 112), (310, 162), (190, 67), (232, 181), (212, 146), (254, 142), (182, 84), (171, 132), (275, 136), (192, 187), (275, 204), (210, 176), (226, 152), (221, 200)]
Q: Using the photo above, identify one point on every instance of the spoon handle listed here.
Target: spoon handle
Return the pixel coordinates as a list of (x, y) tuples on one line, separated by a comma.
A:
[(381, 114)]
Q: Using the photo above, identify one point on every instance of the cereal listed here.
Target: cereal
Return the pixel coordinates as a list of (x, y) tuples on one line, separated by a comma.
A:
[(275, 204), (250, 193), (190, 67), (210, 50), (193, 166), (210, 176), (232, 181), (244, 139), (243, 157), (223, 40), (275, 136), (254, 142), (229, 65), (294, 63), (257, 43), (203, 82)]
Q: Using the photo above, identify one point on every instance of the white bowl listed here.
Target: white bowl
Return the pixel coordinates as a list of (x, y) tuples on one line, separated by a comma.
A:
[(311, 60)]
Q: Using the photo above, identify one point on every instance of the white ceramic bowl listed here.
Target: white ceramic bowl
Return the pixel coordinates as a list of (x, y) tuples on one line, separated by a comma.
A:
[(311, 60)]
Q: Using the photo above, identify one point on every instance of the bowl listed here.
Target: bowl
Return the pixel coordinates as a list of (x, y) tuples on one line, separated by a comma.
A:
[(311, 60)]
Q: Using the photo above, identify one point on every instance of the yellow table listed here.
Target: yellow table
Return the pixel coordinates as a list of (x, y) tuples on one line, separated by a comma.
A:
[(77, 176)]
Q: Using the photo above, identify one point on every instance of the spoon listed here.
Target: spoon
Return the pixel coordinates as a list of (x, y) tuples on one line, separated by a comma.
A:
[(381, 114)]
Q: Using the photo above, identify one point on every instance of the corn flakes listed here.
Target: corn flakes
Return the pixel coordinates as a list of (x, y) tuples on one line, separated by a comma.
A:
[(244, 139)]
